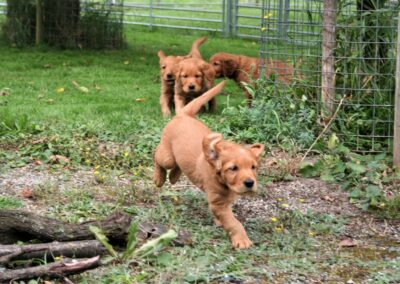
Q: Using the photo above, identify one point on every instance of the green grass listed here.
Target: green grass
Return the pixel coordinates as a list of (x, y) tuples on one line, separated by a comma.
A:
[(110, 111)]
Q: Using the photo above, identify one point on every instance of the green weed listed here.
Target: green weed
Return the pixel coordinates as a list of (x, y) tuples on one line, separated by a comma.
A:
[(365, 177), (280, 118)]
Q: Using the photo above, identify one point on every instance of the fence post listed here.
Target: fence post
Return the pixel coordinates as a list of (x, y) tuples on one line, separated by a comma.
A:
[(228, 18), (151, 15), (396, 132), (328, 59), (235, 12), (39, 13)]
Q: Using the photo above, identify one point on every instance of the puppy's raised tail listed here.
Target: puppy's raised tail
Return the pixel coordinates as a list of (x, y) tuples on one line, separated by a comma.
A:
[(195, 52), (194, 106)]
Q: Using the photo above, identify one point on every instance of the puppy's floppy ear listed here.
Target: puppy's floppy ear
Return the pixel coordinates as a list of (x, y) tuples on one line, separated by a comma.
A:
[(210, 149), (229, 66), (208, 73), (256, 149), (176, 70), (161, 54)]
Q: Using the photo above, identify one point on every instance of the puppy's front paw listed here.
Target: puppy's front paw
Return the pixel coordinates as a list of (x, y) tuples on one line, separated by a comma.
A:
[(241, 241)]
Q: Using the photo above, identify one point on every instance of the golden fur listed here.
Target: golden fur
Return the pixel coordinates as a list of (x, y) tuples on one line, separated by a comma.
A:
[(222, 169), (167, 74), (193, 77), (242, 68)]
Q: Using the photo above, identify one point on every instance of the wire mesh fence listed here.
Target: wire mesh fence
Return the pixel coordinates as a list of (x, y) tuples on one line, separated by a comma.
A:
[(363, 62), (239, 18)]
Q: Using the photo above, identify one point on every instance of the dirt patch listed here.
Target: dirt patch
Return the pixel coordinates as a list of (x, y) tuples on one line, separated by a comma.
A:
[(373, 239), (300, 194)]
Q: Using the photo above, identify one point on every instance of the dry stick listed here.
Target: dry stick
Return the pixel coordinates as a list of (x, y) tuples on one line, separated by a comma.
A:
[(327, 126), (55, 269)]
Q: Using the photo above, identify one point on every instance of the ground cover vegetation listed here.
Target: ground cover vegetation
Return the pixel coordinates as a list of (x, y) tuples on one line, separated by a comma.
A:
[(93, 116)]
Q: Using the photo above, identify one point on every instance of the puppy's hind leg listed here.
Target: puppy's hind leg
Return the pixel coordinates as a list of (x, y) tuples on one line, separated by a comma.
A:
[(159, 174), (174, 175), (163, 160)]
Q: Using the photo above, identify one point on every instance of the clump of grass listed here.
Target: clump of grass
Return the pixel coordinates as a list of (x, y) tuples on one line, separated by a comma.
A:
[(8, 202)]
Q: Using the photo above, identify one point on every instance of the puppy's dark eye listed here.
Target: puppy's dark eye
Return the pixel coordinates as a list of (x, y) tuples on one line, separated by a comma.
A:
[(198, 76), (233, 168), (163, 67), (216, 63), (184, 76), (253, 167)]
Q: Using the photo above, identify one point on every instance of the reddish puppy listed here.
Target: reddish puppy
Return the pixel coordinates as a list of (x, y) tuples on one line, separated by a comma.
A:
[(242, 68), (167, 73), (222, 169)]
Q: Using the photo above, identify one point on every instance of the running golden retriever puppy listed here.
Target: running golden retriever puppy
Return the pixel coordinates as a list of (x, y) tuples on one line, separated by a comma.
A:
[(222, 169), (242, 68), (193, 77), (167, 74)]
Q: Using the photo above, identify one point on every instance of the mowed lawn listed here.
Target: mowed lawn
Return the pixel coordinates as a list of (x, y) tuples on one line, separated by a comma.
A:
[(123, 86)]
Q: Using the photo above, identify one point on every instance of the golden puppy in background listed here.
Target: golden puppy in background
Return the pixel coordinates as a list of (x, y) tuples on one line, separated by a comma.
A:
[(222, 169), (193, 77), (167, 67)]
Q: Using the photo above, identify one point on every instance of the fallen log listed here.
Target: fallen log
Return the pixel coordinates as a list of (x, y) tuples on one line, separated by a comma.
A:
[(55, 269), (50, 251), (20, 225)]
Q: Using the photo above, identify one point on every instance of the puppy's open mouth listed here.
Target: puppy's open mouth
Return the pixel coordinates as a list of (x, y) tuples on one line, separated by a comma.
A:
[(170, 81)]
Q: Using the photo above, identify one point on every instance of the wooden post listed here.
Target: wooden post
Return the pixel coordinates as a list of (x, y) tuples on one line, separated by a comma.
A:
[(39, 22), (328, 59), (396, 132)]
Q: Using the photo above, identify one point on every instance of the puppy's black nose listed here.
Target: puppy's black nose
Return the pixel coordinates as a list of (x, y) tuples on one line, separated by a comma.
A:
[(191, 87), (248, 183), (169, 76)]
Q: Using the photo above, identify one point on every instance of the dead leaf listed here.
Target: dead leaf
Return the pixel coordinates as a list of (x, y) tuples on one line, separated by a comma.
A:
[(59, 159), (97, 87), (79, 87), (4, 92), (75, 83), (140, 100), (27, 192), (348, 243), (328, 198), (50, 101), (46, 66), (39, 141), (83, 89), (60, 90)]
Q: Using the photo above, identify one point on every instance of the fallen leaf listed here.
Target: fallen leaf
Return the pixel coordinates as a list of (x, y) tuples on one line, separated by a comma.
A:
[(97, 87), (328, 198), (60, 90), (27, 192), (50, 101), (4, 92), (46, 66), (83, 89), (126, 62), (140, 100), (347, 243), (75, 83), (59, 159)]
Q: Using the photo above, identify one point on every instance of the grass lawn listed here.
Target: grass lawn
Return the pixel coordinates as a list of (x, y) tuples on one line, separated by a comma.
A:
[(99, 112)]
